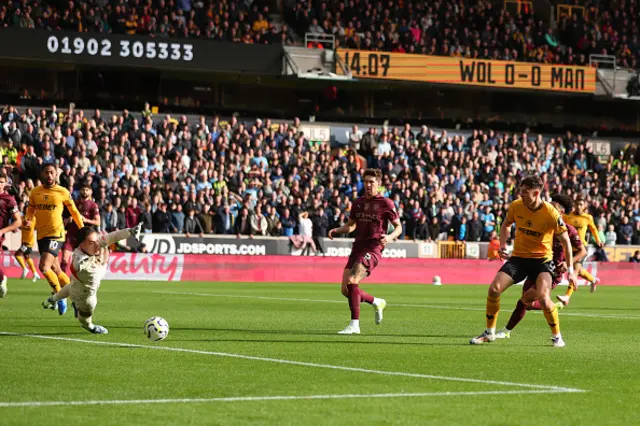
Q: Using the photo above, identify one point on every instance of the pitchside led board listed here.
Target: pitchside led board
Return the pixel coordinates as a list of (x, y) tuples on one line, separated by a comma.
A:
[(473, 72)]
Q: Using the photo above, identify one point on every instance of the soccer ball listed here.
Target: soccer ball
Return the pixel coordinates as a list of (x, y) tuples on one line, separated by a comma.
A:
[(156, 329), (437, 280)]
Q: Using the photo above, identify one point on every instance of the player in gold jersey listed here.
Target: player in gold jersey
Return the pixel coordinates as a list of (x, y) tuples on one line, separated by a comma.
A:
[(46, 204), (23, 254), (536, 224), (581, 220)]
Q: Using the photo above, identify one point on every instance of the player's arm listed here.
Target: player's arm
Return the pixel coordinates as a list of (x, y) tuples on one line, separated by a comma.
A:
[(347, 228), (505, 230), (568, 251), (75, 213), (594, 231), (31, 211), (113, 237), (17, 223), (397, 230), (94, 220)]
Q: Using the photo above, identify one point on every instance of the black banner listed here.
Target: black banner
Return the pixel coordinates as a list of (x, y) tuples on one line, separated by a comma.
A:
[(111, 50), (179, 244)]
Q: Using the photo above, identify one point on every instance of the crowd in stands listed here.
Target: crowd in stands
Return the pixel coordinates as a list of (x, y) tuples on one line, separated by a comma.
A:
[(476, 29), (230, 20), (464, 28), (259, 178)]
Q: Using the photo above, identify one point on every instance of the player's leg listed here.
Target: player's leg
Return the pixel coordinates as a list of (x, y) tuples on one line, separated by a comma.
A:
[(50, 267), (593, 281), (511, 272), (20, 258), (350, 280), (543, 287), (528, 296), (32, 266), (3, 284), (66, 258), (86, 307)]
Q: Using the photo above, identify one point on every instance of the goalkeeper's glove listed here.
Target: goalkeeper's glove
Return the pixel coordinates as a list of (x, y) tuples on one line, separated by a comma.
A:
[(136, 231)]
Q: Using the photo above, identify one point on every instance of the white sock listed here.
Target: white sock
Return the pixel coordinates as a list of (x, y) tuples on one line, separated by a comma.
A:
[(491, 330), (376, 301), (355, 323)]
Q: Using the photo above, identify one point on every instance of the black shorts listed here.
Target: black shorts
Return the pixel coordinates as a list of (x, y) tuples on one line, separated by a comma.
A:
[(520, 269), (26, 250), (50, 245)]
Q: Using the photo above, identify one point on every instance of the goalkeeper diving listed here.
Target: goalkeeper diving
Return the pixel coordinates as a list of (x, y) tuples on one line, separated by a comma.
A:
[(88, 267)]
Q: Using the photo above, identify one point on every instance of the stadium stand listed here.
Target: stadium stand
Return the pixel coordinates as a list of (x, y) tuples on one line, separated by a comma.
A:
[(445, 184), (478, 29)]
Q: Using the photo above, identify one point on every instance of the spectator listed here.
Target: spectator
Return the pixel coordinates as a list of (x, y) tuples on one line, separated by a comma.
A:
[(243, 223), (489, 220), (177, 218), (146, 219), (625, 233), (320, 226), (636, 257), (109, 219), (225, 221), (161, 220), (133, 213), (475, 227), (611, 236), (192, 225), (288, 224), (259, 223)]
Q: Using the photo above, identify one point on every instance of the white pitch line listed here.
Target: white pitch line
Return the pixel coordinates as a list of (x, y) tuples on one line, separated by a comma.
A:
[(300, 363), (404, 305), (265, 398)]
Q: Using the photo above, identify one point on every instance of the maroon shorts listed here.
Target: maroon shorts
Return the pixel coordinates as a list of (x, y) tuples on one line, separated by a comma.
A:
[(528, 284), (368, 259), (70, 242)]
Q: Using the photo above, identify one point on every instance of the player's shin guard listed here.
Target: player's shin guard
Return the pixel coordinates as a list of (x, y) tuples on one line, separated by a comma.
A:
[(52, 279), (553, 320), (518, 313), (63, 279), (493, 308), (586, 275), (354, 301), (20, 261)]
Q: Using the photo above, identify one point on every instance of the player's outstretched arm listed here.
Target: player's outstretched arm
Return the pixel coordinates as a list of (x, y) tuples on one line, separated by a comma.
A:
[(75, 213), (123, 234), (347, 228)]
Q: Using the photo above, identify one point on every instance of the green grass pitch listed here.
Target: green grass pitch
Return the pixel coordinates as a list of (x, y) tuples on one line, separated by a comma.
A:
[(269, 354)]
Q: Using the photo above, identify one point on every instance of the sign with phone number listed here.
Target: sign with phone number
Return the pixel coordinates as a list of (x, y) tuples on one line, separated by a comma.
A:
[(471, 72), (137, 51)]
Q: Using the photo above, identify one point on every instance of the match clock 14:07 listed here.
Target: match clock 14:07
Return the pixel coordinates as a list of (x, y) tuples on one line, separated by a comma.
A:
[(369, 63)]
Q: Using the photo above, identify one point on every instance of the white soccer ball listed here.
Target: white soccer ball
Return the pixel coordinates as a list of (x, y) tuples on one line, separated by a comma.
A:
[(437, 280), (156, 329)]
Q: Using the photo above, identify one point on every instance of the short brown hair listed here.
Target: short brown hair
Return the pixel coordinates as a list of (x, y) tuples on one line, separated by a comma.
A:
[(376, 173), (579, 198), (533, 182), (564, 200)]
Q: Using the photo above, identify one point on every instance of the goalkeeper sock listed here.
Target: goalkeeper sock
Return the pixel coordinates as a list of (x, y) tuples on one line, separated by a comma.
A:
[(52, 279), (32, 266), (20, 261), (62, 294), (86, 322)]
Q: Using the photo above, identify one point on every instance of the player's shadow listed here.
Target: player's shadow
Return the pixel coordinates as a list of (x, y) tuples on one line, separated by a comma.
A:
[(61, 333), (311, 332)]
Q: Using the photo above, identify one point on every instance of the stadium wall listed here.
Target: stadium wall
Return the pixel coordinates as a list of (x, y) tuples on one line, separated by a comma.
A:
[(192, 267)]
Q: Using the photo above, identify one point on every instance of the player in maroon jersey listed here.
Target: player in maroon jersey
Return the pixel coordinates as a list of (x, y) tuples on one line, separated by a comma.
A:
[(528, 301), (370, 217), (10, 220), (91, 214)]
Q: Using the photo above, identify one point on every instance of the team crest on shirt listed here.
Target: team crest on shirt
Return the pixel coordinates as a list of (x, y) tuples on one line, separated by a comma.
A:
[(376, 207), (46, 197), (529, 224)]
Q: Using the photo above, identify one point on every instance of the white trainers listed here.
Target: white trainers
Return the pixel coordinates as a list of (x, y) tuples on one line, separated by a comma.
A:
[(350, 329), (379, 309), (3, 287), (558, 342), (36, 277), (593, 285), (25, 272), (485, 337), (503, 334), (564, 299)]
